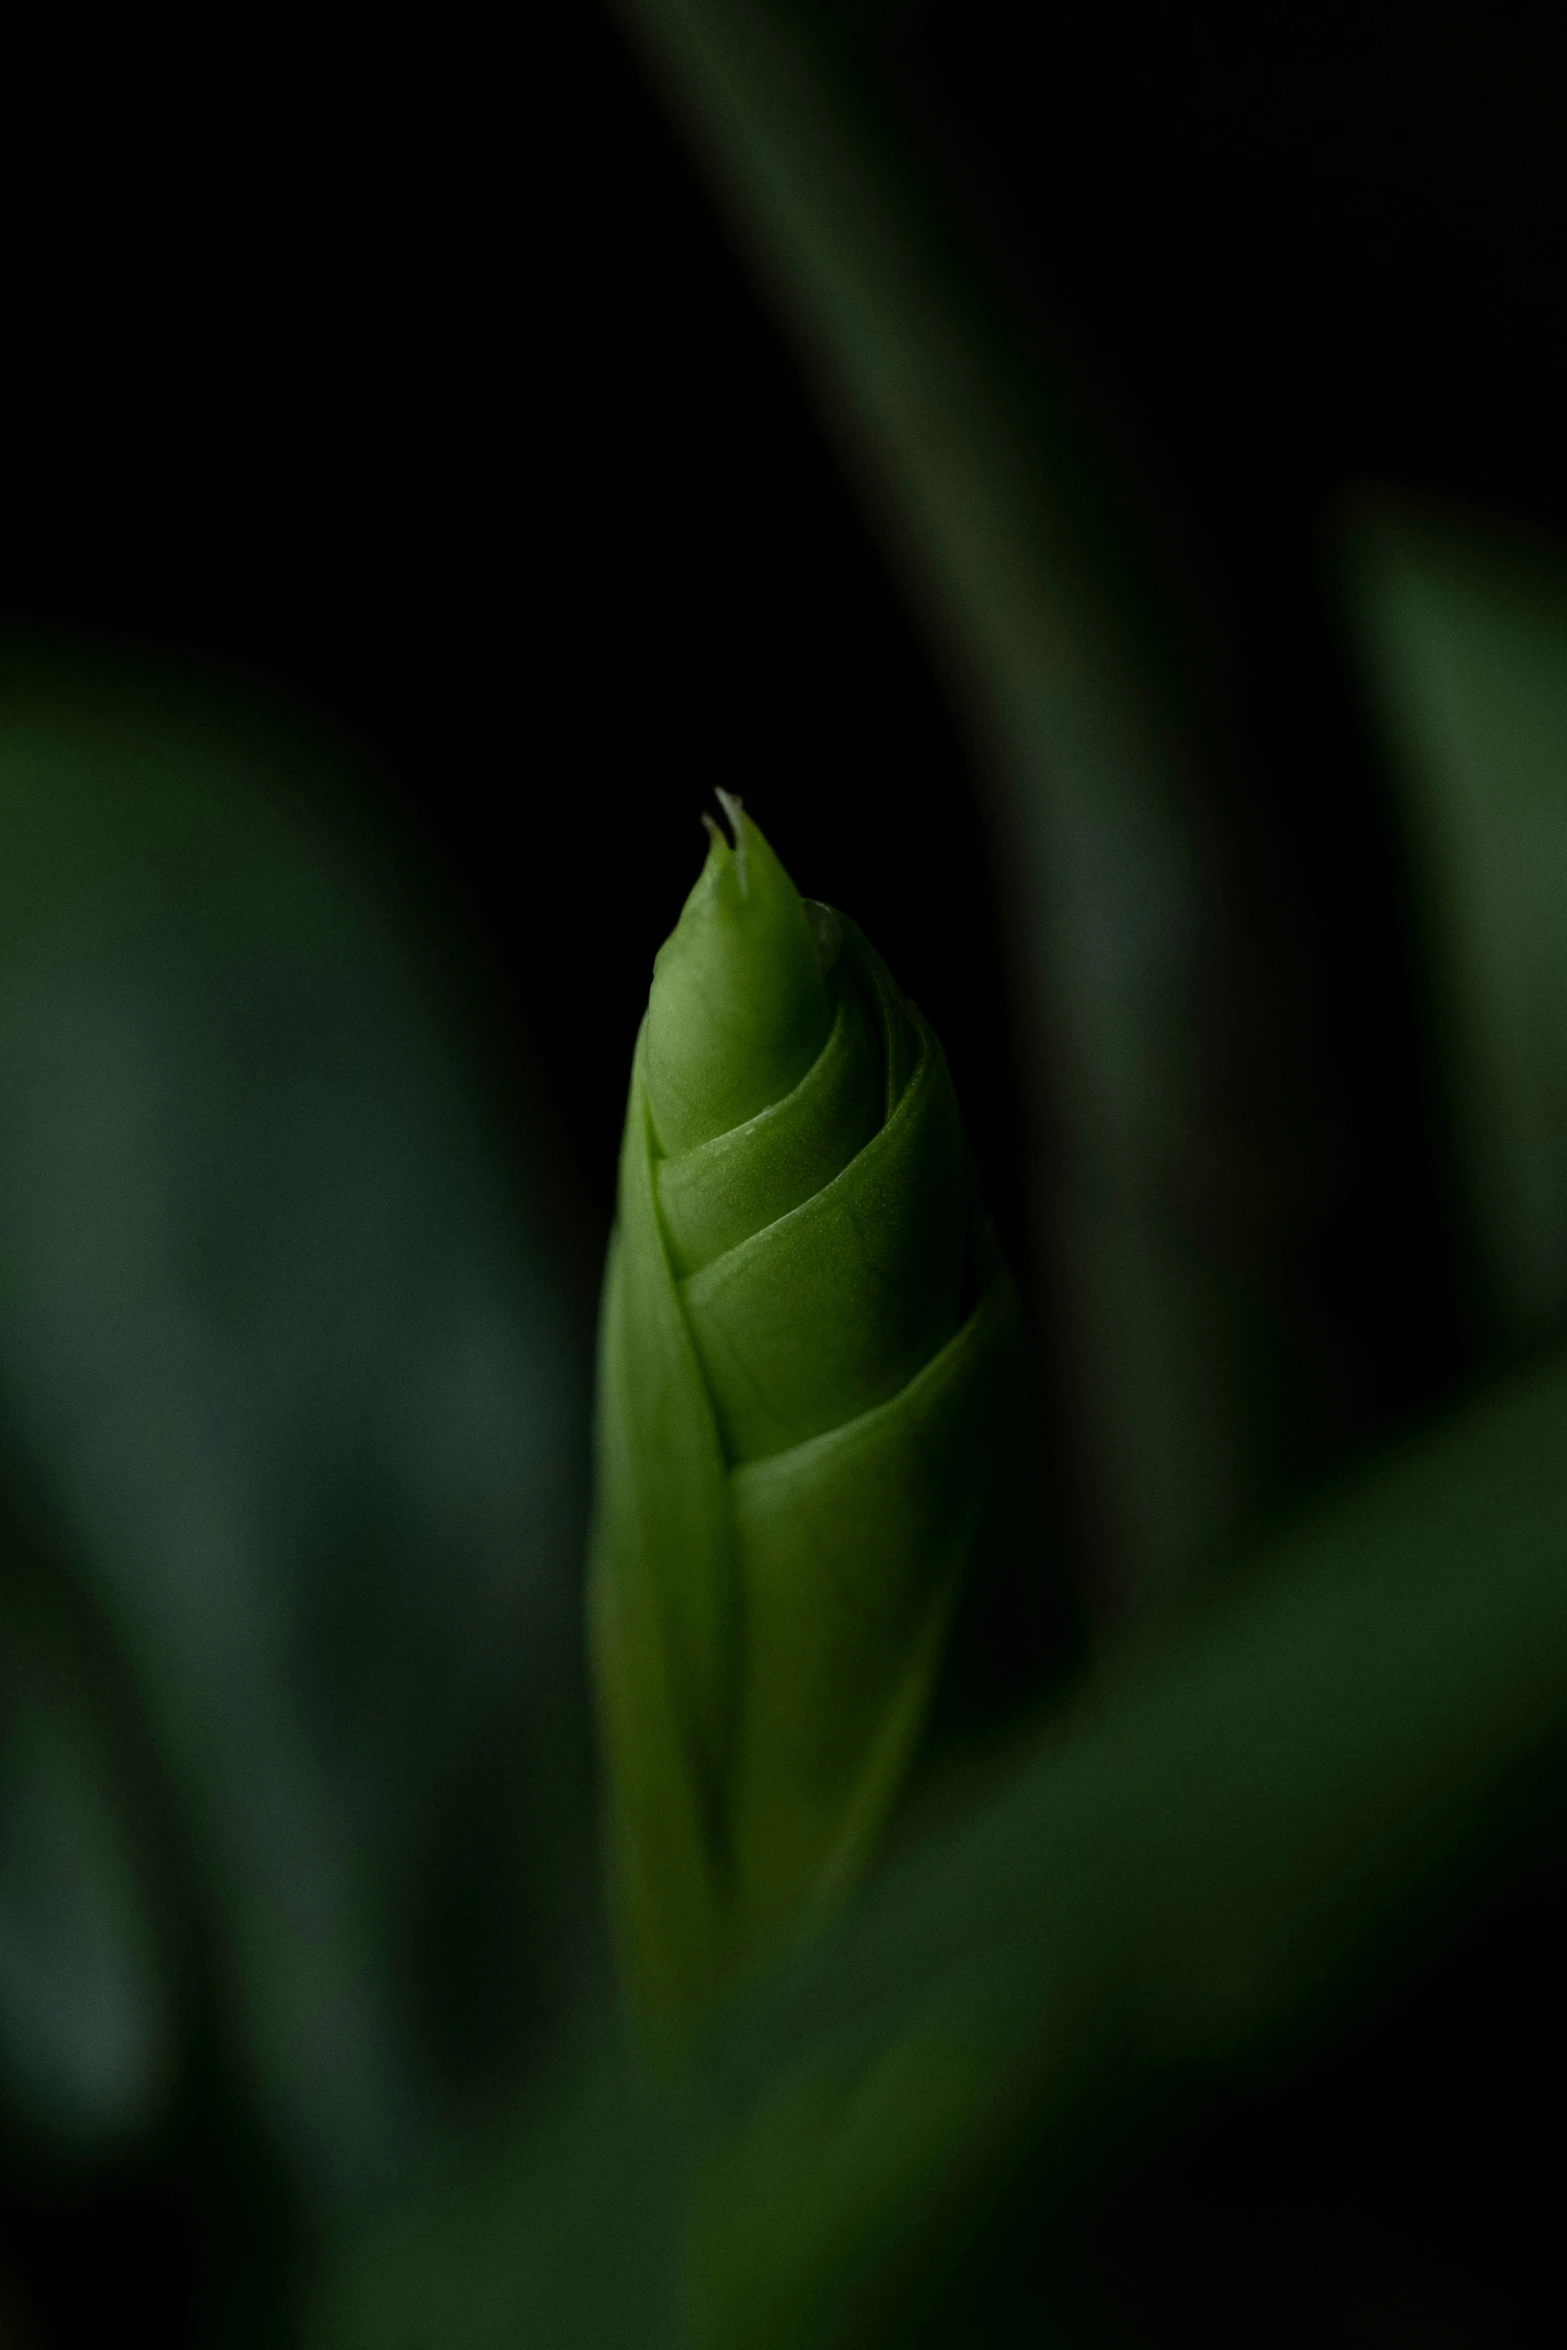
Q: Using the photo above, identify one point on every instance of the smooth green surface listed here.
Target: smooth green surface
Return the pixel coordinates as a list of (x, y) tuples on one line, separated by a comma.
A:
[(738, 1009), (833, 1308), (293, 1407), (1463, 634), (89, 2029), (1208, 1855), (714, 1197), (798, 1440)]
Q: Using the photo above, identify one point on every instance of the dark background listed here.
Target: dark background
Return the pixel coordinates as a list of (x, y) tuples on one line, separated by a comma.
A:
[(418, 385), (431, 394)]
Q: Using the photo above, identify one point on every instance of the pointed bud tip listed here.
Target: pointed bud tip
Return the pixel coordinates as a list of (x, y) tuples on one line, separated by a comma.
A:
[(739, 1006), (734, 813)]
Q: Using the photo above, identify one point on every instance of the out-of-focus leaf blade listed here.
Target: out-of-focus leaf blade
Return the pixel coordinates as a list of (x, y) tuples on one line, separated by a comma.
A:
[(1227, 1840), (1159, 1219), (300, 1389), (573, 2236), (1464, 638), (88, 2031)]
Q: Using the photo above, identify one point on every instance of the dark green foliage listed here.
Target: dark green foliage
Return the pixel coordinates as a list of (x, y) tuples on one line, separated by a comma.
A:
[(1214, 1850), (297, 1936), (295, 1485)]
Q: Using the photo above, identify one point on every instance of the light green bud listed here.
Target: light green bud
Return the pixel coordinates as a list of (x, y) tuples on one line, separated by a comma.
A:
[(808, 1348)]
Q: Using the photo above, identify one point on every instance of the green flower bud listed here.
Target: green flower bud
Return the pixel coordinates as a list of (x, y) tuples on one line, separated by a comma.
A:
[(807, 1351)]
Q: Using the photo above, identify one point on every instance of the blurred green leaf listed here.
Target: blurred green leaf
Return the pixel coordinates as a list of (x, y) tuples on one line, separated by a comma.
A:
[(1154, 1071), (87, 2022), (297, 1388), (571, 2235), (1463, 635), (1228, 1842)]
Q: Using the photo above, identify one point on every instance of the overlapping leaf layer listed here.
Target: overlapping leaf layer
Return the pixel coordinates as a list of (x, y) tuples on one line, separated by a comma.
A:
[(808, 1351)]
